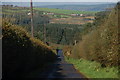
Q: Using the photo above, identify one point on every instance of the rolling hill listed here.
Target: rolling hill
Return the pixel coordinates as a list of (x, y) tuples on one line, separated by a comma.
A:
[(93, 7)]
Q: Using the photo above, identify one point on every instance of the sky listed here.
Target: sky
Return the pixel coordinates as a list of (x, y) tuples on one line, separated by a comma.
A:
[(60, 0)]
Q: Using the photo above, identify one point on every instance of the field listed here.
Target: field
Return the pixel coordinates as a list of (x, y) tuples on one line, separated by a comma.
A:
[(72, 20), (68, 12), (57, 11), (59, 16), (64, 16)]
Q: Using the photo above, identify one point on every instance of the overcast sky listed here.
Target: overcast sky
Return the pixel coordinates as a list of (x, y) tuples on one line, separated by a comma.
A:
[(60, 0)]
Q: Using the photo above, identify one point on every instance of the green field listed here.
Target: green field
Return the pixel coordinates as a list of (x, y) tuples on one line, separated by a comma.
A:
[(58, 11), (14, 11), (11, 10), (93, 69), (61, 11)]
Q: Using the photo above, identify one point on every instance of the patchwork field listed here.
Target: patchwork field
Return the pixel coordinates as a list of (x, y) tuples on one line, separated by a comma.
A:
[(73, 20)]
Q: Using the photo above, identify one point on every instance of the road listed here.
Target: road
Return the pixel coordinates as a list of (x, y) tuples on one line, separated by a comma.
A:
[(60, 70)]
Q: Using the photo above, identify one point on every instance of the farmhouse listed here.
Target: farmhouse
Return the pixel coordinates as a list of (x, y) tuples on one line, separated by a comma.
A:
[(50, 13), (82, 15), (74, 14)]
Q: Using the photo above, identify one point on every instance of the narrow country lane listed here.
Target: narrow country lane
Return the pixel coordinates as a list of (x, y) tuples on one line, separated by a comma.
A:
[(60, 70)]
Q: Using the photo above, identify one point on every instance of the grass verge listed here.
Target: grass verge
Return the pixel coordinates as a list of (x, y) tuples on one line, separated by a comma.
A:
[(93, 69)]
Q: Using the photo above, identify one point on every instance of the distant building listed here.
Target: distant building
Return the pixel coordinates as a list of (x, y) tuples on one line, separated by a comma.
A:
[(81, 15), (50, 13), (29, 13), (44, 13), (74, 14)]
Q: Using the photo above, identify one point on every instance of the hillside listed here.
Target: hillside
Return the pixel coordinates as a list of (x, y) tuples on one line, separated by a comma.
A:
[(101, 44), (63, 11), (82, 7)]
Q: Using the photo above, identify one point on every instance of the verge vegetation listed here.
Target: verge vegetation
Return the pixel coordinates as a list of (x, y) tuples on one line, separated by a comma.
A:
[(93, 69)]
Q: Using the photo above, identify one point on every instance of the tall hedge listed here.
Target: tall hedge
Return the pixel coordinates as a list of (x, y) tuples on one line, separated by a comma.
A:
[(21, 53)]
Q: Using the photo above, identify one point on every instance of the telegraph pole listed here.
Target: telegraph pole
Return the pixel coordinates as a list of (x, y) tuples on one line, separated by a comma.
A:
[(32, 30), (44, 33)]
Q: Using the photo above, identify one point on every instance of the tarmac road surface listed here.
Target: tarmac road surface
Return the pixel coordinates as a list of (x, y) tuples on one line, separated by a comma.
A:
[(60, 70)]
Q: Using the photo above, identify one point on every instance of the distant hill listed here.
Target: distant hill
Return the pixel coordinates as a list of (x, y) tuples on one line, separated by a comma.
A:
[(97, 7), (81, 6)]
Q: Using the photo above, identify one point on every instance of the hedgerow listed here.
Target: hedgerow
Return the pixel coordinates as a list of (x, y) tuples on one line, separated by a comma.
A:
[(21, 53)]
